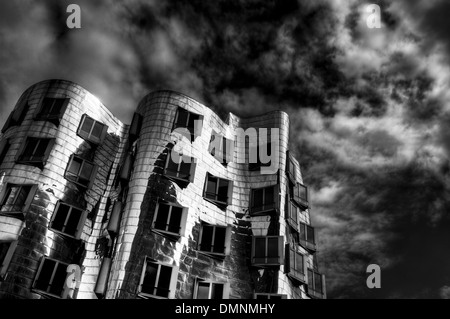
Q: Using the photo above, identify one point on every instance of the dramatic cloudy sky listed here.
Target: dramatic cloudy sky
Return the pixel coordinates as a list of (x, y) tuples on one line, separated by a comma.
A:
[(370, 108)]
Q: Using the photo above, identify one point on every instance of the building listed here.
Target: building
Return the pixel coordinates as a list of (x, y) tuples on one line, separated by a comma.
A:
[(92, 208)]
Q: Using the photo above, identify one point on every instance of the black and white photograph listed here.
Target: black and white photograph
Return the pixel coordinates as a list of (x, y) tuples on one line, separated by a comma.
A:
[(225, 149)]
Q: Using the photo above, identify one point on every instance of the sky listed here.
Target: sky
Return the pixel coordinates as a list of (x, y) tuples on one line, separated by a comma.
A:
[(369, 107)]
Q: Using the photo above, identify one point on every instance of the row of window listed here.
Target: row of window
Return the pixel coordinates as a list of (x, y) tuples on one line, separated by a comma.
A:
[(35, 150), (158, 280), (52, 110)]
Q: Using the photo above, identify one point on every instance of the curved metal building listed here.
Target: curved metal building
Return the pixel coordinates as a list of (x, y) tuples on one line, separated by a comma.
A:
[(178, 204)]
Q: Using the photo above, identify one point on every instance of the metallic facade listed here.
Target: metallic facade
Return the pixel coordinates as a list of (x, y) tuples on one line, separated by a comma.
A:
[(92, 208)]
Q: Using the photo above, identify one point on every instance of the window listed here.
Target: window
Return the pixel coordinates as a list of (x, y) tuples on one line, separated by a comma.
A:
[(307, 237), (50, 277), (299, 194), (68, 219), (17, 116), (218, 190), (267, 250), (6, 252), (291, 169), (264, 200), (125, 170), (135, 127), (295, 264), (221, 148), (170, 219), (158, 280), (214, 240), (52, 109), (16, 199), (191, 121), (211, 290), (92, 130), (180, 167), (35, 151), (316, 284), (4, 148), (268, 296), (265, 148), (80, 171), (292, 213)]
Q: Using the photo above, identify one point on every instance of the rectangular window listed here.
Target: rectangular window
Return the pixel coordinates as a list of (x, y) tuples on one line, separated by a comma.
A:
[(191, 121), (267, 148), (299, 194), (158, 280), (307, 237), (295, 264), (68, 219), (92, 130), (80, 171), (135, 127), (292, 213), (35, 151), (180, 167), (215, 239), (269, 296), (6, 252), (221, 148), (50, 277), (291, 169), (316, 284), (267, 250), (211, 290), (17, 115), (17, 198), (264, 200), (170, 219), (4, 148), (52, 109), (218, 190)]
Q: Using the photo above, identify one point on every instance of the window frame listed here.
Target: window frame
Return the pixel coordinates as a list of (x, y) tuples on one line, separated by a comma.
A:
[(93, 173), (192, 168), (81, 220), (54, 118), (291, 267), (225, 289), (295, 196), (229, 146), (192, 131), (290, 165), (227, 240), (5, 145), (216, 201), (290, 206), (135, 127), (38, 162), (280, 258), (172, 281), (258, 164), (17, 116), (304, 242), (88, 136), (27, 202), (38, 273), (265, 211), (312, 290), (4, 264), (183, 221)]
